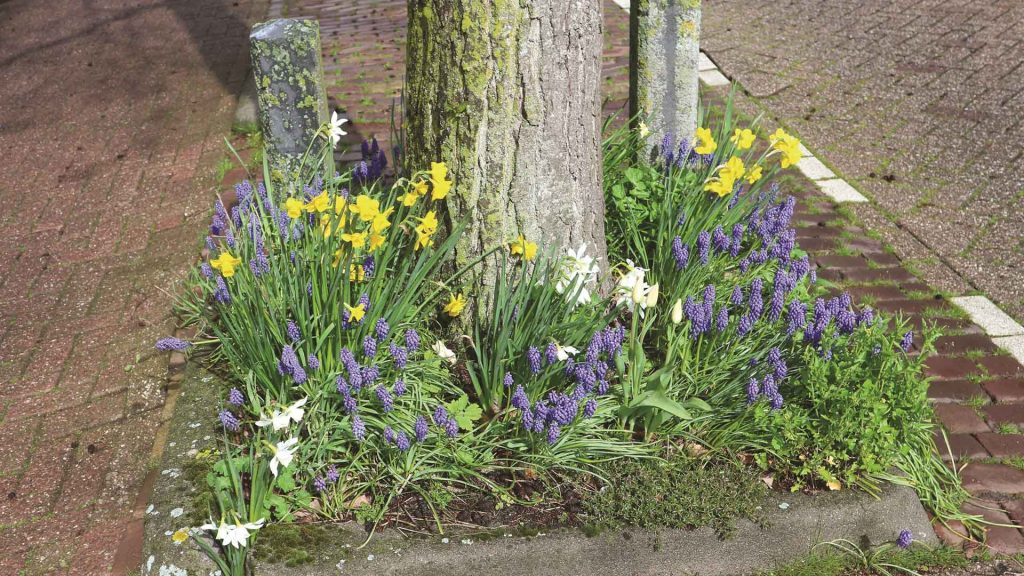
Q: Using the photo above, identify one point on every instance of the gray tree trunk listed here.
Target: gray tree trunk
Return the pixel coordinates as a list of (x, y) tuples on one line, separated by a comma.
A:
[(507, 92), (664, 50)]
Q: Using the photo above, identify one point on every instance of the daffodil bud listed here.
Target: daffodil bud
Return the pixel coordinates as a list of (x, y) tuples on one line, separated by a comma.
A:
[(652, 296), (677, 311), (638, 292)]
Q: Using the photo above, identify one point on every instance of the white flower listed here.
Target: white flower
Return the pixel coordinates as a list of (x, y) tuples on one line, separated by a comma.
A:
[(336, 131), (280, 419), (652, 296), (577, 271), (563, 352), (677, 311), (236, 534), (443, 352), (632, 288), (283, 454)]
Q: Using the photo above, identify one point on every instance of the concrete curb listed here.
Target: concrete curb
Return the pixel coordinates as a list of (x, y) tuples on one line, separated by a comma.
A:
[(1004, 330)]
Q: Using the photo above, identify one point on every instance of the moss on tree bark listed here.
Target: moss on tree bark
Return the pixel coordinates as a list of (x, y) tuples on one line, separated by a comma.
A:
[(507, 92)]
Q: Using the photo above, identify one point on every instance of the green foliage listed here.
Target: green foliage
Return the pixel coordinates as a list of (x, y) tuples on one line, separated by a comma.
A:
[(859, 404), (679, 492)]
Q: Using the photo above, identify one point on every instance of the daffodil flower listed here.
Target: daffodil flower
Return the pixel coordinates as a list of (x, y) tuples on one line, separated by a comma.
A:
[(358, 239), (754, 174), (280, 420), (335, 130), (237, 534), (443, 352), (376, 241), (380, 221), (226, 264), (355, 313), (439, 189), (563, 352), (455, 305), (523, 247), (293, 206), (319, 203), (706, 142), (283, 453), (788, 145), (643, 129), (365, 207), (743, 139), (632, 287)]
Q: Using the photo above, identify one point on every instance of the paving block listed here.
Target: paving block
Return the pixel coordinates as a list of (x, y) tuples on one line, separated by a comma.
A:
[(960, 419)]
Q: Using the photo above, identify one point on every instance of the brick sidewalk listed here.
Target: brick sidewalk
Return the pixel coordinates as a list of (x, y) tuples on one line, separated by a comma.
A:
[(112, 118), (978, 391), (919, 104)]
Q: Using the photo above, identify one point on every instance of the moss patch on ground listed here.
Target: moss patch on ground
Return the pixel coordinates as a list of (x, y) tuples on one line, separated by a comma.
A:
[(680, 492)]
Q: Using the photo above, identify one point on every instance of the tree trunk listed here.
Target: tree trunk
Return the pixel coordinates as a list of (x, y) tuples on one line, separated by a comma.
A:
[(507, 92)]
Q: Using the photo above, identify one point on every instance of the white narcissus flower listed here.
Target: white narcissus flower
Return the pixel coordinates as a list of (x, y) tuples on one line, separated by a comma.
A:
[(283, 454), (563, 352), (335, 128), (443, 352), (652, 296), (577, 270), (280, 419), (632, 287), (677, 311), (236, 534)]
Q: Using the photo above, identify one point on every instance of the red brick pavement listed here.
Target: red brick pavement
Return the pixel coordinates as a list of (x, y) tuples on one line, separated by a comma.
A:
[(976, 391), (111, 119)]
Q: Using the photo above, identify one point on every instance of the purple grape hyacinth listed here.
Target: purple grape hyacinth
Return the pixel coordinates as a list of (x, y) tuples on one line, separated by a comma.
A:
[(167, 344), (533, 357), (905, 539), (908, 341), (229, 421), (235, 397)]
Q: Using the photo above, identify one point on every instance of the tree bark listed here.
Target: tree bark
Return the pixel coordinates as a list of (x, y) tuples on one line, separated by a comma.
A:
[(507, 92)]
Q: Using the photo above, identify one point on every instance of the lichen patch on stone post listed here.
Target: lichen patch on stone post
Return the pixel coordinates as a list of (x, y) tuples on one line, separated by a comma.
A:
[(289, 77)]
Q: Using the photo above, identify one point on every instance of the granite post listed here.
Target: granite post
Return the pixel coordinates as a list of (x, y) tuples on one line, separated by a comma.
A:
[(289, 76), (663, 74)]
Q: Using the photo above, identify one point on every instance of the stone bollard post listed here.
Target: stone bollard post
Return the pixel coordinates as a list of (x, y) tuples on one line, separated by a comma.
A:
[(289, 76), (663, 74)]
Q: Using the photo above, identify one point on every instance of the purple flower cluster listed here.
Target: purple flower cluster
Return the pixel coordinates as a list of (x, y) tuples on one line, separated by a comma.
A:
[(371, 167), (443, 420), (166, 344), (229, 420), (768, 387), (235, 397), (680, 252), (835, 311), (290, 365), (588, 378), (292, 330), (320, 483)]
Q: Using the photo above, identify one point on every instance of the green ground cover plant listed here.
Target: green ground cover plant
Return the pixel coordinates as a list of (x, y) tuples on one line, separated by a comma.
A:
[(368, 374)]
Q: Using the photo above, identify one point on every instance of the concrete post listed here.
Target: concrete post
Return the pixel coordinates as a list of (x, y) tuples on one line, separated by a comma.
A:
[(664, 49), (289, 76)]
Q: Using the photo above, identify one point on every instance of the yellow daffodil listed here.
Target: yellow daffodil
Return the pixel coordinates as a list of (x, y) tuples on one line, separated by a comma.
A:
[(743, 139), (325, 225), (365, 207), (523, 247), (356, 273), (735, 168), (357, 239), (439, 189), (179, 536), (425, 231), (376, 241), (788, 145), (293, 206), (706, 141), (380, 221), (319, 203), (226, 264), (408, 199), (722, 187), (428, 224), (643, 129), (355, 313), (338, 254), (754, 175), (340, 203), (455, 305), (438, 171)]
